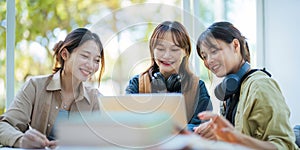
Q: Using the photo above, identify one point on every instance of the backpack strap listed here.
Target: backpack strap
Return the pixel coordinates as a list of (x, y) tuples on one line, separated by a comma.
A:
[(144, 83), (232, 102)]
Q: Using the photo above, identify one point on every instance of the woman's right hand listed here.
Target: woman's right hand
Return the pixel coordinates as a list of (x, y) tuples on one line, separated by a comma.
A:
[(35, 139), (205, 130), (222, 128)]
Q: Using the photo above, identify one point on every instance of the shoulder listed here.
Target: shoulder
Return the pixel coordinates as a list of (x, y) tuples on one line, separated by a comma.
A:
[(261, 89), (133, 85), (260, 81), (202, 89), (201, 82), (201, 85), (135, 78), (91, 92), (38, 80)]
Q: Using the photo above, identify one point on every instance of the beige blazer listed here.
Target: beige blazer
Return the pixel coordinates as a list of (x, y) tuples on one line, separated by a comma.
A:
[(37, 103)]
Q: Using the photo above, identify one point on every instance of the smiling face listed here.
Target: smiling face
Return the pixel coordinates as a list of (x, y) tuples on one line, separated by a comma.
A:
[(220, 57), (168, 56), (83, 62)]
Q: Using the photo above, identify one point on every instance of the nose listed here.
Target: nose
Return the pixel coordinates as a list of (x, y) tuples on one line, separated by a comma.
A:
[(209, 59), (89, 64), (167, 54)]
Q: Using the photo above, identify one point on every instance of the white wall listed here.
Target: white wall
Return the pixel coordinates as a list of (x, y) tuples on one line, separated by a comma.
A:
[(282, 49)]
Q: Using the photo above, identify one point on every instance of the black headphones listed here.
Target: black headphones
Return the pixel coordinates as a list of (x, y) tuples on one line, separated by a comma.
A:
[(231, 83), (160, 84)]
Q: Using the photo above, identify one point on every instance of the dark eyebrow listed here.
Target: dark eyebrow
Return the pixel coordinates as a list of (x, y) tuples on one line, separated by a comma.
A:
[(85, 51), (213, 46), (159, 44), (175, 46)]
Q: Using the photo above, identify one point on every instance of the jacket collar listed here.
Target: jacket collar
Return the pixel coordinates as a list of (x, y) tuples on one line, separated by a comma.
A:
[(55, 85)]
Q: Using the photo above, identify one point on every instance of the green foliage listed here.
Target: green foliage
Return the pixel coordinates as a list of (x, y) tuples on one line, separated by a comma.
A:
[(35, 22)]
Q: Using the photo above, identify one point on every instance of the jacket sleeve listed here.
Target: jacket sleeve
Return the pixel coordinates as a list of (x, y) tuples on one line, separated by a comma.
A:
[(267, 114), (13, 123), (203, 103), (133, 86)]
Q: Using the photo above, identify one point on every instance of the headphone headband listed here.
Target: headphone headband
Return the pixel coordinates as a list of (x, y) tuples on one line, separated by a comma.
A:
[(160, 84)]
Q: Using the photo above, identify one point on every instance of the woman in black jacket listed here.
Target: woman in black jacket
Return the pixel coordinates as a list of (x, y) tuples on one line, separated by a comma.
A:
[(170, 49)]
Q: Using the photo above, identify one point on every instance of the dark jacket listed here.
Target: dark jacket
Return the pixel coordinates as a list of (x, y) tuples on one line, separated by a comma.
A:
[(202, 96)]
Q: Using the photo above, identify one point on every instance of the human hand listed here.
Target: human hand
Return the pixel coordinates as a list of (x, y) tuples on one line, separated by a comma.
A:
[(221, 127), (180, 130), (205, 130), (35, 139), (52, 144)]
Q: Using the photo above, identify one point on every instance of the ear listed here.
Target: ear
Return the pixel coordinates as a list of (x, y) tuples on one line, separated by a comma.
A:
[(64, 54), (236, 45), (185, 52)]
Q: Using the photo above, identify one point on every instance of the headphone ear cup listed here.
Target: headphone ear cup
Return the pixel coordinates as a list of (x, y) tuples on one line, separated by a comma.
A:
[(220, 92), (158, 83), (231, 83), (227, 87), (174, 83)]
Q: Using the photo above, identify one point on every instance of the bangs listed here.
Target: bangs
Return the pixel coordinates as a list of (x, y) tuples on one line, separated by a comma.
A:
[(179, 38), (159, 38), (207, 40)]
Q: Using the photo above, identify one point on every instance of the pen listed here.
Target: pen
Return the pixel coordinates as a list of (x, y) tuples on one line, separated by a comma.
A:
[(30, 128)]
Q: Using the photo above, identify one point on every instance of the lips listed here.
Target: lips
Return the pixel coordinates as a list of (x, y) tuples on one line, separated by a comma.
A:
[(214, 68), (167, 63), (85, 72)]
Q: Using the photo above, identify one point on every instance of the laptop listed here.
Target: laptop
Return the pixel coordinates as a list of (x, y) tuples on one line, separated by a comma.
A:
[(129, 121), (143, 104)]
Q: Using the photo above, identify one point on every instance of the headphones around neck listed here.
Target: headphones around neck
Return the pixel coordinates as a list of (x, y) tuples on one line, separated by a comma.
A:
[(160, 84), (231, 83)]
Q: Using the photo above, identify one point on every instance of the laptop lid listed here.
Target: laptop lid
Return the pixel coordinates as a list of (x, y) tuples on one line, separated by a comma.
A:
[(140, 104)]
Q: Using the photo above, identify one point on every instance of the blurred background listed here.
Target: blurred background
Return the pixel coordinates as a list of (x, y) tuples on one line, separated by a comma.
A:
[(124, 27)]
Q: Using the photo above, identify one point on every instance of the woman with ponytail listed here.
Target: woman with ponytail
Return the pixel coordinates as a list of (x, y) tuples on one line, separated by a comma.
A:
[(256, 114), (31, 119)]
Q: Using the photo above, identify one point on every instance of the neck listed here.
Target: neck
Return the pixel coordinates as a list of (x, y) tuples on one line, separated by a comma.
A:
[(242, 63), (238, 67), (68, 83)]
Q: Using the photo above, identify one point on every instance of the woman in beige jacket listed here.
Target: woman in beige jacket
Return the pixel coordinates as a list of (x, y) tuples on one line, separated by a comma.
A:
[(31, 119)]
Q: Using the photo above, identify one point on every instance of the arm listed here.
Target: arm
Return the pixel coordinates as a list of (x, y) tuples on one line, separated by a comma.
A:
[(133, 86), (224, 131), (203, 104), (262, 120), (268, 114), (15, 121)]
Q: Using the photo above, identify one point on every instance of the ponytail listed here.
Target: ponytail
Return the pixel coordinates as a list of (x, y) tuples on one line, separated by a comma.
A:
[(246, 52), (59, 62)]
